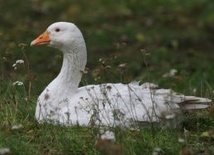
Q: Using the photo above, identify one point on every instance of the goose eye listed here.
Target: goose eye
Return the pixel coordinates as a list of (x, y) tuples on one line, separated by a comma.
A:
[(57, 29)]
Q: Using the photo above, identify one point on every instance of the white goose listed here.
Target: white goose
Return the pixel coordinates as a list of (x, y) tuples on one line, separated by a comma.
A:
[(106, 104)]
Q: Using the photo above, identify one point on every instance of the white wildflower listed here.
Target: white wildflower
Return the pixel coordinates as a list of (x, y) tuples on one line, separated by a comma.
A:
[(4, 150), (156, 151), (20, 61), (123, 65), (108, 66), (16, 127), (181, 140), (26, 99), (100, 60), (14, 65), (171, 73), (18, 83)]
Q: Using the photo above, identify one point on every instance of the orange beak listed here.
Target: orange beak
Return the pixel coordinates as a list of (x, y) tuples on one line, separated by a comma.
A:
[(43, 39)]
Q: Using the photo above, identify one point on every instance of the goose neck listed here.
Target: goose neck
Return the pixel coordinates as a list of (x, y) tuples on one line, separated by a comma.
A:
[(71, 71)]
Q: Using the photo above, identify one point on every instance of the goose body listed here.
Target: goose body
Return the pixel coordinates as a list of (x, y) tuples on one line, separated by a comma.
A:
[(105, 104)]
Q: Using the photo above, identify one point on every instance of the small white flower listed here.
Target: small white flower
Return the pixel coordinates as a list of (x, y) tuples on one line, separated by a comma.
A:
[(20, 61), (156, 151), (181, 140), (108, 66), (18, 83), (100, 60), (123, 65), (171, 73), (16, 127), (4, 150)]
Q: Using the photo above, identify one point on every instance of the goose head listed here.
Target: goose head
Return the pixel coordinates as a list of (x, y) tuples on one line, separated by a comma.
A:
[(67, 38), (63, 36)]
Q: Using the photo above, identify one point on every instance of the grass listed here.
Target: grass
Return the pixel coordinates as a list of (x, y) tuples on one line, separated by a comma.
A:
[(150, 37)]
